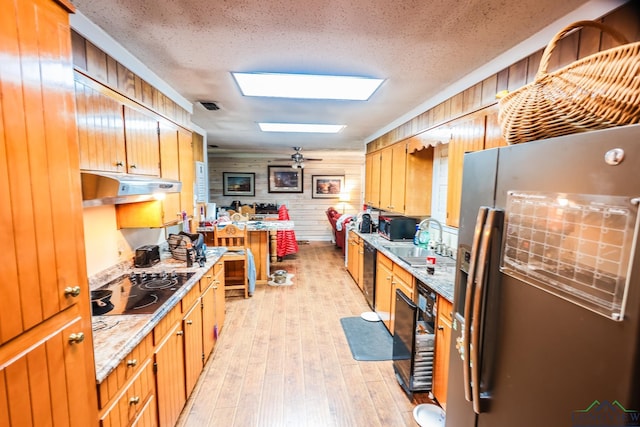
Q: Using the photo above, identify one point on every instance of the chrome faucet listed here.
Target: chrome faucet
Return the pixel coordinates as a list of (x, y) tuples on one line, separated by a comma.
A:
[(424, 225)]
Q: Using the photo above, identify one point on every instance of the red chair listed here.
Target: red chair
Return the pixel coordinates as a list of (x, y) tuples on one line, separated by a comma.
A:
[(338, 235)]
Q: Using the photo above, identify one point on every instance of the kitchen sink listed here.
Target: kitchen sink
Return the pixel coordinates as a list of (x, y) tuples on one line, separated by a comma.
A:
[(416, 256)]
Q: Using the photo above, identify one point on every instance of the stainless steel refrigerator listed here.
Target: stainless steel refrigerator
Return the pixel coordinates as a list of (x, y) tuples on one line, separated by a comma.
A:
[(546, 327)]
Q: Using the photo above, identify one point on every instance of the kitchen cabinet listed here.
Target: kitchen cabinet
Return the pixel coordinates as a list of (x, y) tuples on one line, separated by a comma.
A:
[(193, 350), (477, 132), (177, 163), (134, 400), (419, 176), (141, 142), (170, 375), (392, 177), (170, 169), (389, 277), (187, 170), (218, 286), (47, 374), (372, 179), (355, 257), (398, 178), (100, 127), (443, 343)]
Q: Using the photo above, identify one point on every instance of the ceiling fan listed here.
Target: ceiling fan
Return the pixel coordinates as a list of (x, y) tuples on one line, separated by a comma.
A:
[(298, 159)]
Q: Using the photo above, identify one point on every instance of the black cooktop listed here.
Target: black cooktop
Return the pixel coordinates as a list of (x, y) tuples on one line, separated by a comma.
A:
[(138, 293)]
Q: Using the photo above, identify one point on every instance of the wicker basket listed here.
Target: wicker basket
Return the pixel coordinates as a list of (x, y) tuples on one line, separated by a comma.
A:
[(596, 92)]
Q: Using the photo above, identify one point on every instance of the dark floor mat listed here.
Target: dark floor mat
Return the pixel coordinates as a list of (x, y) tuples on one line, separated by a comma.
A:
[(367, 340)]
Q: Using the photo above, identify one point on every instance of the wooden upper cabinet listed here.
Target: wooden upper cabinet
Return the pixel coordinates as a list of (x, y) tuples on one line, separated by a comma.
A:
[(392, 177), (419, 179), (372, 175), (466, 136), (170, 168), (141, 137), (187, 170), (100, 129)]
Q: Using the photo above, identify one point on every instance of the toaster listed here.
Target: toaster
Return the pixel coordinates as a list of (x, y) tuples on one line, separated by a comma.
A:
[(147, 255)]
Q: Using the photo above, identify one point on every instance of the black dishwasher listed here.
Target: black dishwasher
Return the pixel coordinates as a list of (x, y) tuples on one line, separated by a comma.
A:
[(414, 340), (369, 273)]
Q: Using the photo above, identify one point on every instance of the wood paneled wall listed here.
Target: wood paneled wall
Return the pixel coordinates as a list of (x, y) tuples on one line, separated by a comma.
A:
[(307, 213), (93, 62), (579, 44)]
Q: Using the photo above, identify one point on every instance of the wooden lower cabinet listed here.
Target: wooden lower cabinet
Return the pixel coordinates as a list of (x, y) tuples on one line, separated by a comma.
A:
[(134, 401), (170, 376), (443, 343), (355, 257), (193, 350), (389, 277), (383, 289)]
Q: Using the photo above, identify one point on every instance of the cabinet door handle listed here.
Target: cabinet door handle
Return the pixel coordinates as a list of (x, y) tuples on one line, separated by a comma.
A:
[(180, 333), (76, 338), (132, 362), (189, 322), (72, 291), (133, 166), (441, 328), (134, 400), (119, 164)]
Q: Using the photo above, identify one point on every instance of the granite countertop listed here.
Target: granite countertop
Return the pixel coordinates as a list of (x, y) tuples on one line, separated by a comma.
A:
[(442, 282), (114, 337)]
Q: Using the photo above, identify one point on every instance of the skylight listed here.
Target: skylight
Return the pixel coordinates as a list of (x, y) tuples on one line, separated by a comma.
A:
[(307, 86), (299, 127)]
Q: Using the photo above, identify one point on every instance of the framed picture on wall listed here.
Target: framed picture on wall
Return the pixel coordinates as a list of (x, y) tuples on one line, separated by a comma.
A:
[(238, 184), (284, 179), (327, 186)]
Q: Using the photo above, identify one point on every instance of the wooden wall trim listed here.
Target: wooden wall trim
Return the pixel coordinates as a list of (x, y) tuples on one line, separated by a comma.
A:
[(480, 96)]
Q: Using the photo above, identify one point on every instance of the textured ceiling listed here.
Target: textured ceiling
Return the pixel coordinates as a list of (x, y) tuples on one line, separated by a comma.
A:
[(419, 46)]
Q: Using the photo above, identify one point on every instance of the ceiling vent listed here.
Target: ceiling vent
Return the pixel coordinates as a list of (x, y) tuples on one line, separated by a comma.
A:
[(211, 106)]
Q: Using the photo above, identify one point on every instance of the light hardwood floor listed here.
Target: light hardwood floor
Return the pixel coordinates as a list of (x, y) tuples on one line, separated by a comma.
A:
[(282, 358)]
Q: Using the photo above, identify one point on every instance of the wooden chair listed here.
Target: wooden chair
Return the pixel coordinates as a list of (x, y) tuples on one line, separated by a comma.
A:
[(235, 259)]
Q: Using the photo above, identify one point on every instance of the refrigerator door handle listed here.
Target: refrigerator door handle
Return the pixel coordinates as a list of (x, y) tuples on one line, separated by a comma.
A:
[(469, 294), (478, 302)]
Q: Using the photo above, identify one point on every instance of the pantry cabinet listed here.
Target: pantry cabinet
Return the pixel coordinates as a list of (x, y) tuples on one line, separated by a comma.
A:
[(47, 374), (443, 343)]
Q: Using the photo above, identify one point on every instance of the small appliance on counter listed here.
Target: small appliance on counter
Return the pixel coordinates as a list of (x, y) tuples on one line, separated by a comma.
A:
[(147, 256), (365, 224), (396, 228)]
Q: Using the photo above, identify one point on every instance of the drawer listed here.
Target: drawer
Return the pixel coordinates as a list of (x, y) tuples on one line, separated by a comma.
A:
[(207, 278), (125, 370), (402, 274), (132, 400), (190, 298), (384, 260)]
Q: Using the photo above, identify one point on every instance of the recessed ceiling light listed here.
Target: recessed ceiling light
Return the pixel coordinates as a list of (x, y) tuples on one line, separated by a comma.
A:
[(307, 86), (300, 127)]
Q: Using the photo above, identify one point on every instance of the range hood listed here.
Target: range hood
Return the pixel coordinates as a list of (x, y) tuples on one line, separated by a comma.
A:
[(104, 188)]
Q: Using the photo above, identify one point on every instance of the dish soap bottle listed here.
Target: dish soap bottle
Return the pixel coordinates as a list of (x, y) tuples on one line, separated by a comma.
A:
[(416, 236), (423, 239)]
